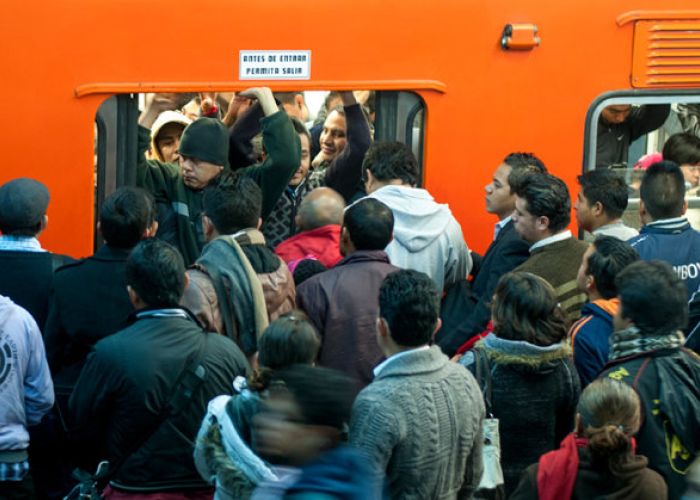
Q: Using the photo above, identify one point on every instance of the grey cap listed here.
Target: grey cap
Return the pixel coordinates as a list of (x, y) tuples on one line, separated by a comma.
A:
[(23, 202)]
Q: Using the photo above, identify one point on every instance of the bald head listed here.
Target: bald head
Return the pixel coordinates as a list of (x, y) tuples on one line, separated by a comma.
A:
[(320, 207)]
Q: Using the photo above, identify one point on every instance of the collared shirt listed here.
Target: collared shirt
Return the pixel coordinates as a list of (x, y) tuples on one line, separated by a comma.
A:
[(378, 369), (163, 313), (20, 244), (500, 225), (564, 235)]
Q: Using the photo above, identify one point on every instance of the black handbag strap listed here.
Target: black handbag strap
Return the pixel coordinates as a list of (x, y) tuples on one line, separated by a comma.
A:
[(482, 372), (189, 380)]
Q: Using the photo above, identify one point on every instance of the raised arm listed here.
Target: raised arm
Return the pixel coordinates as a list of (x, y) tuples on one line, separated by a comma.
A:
[(282, 147), (345, 172)]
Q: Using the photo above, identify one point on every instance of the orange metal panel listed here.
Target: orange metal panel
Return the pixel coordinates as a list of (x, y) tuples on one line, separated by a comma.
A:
[(666, 54), (487, 102)]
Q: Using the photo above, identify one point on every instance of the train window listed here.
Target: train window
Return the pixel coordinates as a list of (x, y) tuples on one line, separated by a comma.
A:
[(626, 133), (392, 115)]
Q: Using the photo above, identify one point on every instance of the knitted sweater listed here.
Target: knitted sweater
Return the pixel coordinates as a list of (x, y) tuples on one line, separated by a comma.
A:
[(420, 420), (558, 264)]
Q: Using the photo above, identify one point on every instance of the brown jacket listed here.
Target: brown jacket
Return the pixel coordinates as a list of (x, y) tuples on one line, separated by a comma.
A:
[(274, 276), (632, 481)]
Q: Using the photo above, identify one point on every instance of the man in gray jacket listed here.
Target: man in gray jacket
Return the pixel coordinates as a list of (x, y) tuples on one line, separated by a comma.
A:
[(420, 420)]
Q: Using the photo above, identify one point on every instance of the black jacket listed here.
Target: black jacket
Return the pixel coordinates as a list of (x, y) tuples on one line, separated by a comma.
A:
[(27, 277), (89, 301), (668, 384), (614, 139), (465, 309), (126, 383)]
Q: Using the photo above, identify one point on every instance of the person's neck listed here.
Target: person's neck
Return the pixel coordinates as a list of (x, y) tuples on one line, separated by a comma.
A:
[(394, 349), (502, 217), (593, 295), (602, 222)]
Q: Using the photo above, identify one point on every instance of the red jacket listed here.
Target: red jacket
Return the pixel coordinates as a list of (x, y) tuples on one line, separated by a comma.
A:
[(322, 243)]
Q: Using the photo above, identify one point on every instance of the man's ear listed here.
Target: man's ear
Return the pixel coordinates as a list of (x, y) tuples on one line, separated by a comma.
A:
[(438, 325), (590, 282), (207, 227), (44, 222), (685, 207), (597, 209), (259, 223), (543, 223), (150, 231), (187, 281), (382, 328), (133, 297)]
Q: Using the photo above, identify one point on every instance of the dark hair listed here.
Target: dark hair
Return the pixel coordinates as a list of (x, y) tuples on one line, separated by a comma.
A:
[(663, 190), (653, 297), (300, 128), (409, 302), (370, 224), (324, 396), (610, 415), (611, 256), (306, 268), (606, 187), (546, 196), (682, 149), (156, 272), (527, 161), (125, 215), (289, 340), (232, 203), (521, 165), (525, 308), (391, 160)]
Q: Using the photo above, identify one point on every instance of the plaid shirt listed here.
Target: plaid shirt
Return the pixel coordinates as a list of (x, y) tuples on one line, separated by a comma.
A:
[(13, 471)]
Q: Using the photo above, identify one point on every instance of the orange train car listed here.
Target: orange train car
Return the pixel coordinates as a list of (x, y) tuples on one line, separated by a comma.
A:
[(475, 79)]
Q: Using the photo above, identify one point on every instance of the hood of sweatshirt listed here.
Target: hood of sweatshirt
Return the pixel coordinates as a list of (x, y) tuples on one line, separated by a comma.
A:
[(418, 218)]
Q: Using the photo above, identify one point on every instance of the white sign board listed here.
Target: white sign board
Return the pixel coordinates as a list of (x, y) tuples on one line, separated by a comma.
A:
[(274, 65)]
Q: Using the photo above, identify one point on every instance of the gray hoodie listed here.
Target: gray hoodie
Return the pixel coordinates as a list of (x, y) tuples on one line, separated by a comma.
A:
[(26, 389), (427, 237)]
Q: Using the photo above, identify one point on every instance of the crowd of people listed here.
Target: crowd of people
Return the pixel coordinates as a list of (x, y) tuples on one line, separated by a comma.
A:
[(279, 311)]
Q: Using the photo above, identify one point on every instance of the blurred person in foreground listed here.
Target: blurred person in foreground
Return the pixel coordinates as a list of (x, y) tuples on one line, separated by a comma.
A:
[(224, 453), (303, 425)]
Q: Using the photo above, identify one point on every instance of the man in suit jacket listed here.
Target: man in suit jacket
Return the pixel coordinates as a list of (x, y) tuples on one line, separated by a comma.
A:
[(465, 309)]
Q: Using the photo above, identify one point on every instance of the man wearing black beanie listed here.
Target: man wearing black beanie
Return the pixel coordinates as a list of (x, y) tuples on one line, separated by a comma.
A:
[(203, 152)]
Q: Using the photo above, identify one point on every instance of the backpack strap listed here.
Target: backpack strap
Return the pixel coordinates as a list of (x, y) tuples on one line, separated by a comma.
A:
[(483, 376)]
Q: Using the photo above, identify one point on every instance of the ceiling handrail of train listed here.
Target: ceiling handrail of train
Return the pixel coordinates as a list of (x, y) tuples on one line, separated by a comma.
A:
[(652, 15), (89, 89)]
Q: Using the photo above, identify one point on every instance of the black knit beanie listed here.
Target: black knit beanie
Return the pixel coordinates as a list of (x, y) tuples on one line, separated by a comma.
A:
[(206, 139)]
